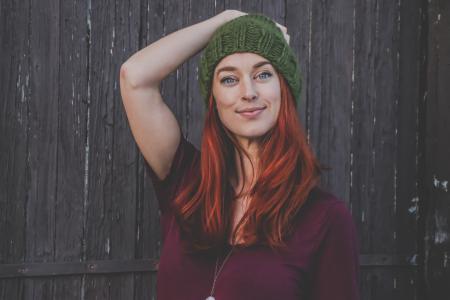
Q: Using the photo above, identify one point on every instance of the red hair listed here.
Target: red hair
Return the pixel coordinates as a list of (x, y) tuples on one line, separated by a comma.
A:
[(288, 170)]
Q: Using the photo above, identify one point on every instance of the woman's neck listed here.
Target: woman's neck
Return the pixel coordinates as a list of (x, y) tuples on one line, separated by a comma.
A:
[(247, 181)]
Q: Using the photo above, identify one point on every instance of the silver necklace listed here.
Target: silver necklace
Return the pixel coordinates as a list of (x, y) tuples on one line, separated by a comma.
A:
[(216, 274)]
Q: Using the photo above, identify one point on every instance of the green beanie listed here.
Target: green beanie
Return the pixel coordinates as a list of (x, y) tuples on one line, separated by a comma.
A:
[(250, 33)]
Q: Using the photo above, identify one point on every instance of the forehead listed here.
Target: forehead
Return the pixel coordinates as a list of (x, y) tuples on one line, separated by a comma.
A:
[(240, 60)]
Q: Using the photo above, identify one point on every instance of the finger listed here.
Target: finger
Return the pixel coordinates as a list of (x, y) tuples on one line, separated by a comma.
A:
[(282, 28)]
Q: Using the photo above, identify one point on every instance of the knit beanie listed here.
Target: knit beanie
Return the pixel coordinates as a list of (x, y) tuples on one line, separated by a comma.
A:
[(249, 33)]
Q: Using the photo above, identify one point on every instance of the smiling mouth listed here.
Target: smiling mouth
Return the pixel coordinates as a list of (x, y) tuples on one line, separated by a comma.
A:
[(252, 109), (252, 113)]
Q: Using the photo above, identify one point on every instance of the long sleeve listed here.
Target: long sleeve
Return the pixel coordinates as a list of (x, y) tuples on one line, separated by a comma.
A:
[(336, 268)]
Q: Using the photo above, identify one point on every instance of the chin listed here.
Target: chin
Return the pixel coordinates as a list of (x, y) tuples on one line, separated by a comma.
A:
[(252, 134)]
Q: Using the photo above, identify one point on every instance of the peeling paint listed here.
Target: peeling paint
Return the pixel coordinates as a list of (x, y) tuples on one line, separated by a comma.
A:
[(395, 189), (440, 184), (413, 209), (440, 237), (413, 260), (107, 246)]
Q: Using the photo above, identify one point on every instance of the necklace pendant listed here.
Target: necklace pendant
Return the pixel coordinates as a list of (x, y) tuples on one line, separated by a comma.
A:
[(210, 298)]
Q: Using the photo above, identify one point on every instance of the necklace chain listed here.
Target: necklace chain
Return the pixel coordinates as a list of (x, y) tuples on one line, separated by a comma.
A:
[(216, 273)]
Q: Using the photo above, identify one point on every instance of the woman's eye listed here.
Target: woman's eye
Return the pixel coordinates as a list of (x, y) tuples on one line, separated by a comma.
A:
[(227, 80), (265, 75)]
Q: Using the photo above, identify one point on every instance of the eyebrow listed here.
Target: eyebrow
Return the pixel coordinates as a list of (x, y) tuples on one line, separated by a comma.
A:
[(231, 68)]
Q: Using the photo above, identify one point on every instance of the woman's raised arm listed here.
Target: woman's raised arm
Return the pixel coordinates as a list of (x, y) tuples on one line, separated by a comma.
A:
[(153, 125)]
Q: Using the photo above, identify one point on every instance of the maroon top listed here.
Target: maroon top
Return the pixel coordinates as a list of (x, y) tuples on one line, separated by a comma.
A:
[(321, 262)]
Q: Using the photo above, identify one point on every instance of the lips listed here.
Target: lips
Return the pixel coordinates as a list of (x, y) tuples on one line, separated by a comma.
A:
[(250, 109), (251, 112)]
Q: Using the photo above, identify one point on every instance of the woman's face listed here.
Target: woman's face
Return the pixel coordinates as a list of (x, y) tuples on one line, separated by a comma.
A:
[(246, 82)]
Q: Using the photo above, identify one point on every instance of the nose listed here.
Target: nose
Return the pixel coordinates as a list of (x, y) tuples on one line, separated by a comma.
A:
[(248, 89)]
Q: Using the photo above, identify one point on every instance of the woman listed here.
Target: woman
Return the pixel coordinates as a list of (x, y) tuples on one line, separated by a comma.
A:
[(244, 218)]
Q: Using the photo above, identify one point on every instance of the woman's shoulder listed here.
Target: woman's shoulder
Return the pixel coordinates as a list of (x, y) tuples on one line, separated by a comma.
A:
[(322, 211), (320, 199)]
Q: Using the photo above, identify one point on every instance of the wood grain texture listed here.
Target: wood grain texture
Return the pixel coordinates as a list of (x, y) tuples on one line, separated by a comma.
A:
[(437, 144)]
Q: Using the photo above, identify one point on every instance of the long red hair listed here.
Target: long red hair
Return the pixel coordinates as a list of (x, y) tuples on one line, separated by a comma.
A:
[(288, 170)]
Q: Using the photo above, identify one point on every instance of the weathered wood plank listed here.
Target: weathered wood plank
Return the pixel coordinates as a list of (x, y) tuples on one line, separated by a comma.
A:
[(275, 10), (100, 215), (407, 175), (298, 22), (15, 94), (388, 283), (437, 145), (381, 134), (111, 214), (330, 104), (72, 122), (43, 141), (255, 6)]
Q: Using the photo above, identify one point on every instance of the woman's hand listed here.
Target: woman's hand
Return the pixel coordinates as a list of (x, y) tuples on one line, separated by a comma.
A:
[(231, 14), (284, 31)]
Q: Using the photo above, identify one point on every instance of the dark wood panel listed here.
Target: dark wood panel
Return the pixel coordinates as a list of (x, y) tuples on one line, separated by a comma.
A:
[(388, 284), (298, 22), (72, 142), (437, 145), (15, 94), (113, 159), (42, 157)]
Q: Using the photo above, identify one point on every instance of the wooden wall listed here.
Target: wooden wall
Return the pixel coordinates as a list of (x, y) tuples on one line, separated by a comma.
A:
[(78, 215)]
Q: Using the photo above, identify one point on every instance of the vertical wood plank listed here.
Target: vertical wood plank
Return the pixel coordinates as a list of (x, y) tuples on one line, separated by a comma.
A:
[(408, 126), (15, 94), (43, 142), (437, 145), (249, 6), (69, 207), (298, 23), (113, 163), (380, 132), (387, 283), (100, 209), (330, 105), (275, 10)]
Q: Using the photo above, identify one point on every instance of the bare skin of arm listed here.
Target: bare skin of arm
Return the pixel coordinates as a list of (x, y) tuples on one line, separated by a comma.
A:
[(152, 123)]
